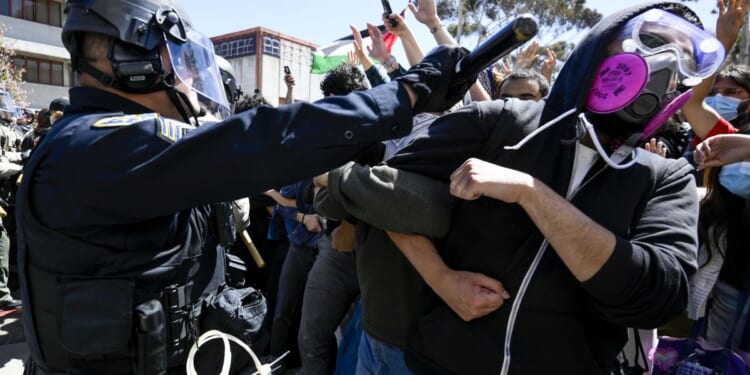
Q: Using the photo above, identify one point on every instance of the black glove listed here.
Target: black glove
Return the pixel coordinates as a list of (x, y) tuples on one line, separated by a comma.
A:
[(434, 79)]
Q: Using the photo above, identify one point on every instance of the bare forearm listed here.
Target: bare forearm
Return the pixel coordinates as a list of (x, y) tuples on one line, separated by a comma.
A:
[(421, 253), (414, 53), (478, 93), (289, 99), (441, 34), (582, 244), (701, 117)]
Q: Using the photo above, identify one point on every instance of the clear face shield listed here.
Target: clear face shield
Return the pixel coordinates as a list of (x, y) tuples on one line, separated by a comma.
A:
[(195, 67)]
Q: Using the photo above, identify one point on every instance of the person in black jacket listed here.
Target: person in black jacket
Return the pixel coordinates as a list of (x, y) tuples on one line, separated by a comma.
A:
[(583, 235)]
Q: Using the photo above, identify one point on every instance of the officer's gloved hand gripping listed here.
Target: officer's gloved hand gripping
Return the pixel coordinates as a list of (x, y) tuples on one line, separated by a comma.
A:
[(434, 79)]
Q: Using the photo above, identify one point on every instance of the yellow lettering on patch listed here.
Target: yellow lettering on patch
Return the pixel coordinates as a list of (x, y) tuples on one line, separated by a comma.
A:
[(172, 130), (111, 122)]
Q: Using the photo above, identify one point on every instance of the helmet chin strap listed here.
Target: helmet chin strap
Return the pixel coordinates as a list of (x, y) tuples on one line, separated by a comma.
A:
[(182, 103), (180, 100), (622, 152)]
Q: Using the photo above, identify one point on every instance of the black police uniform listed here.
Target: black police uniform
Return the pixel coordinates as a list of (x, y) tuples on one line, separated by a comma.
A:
[(114, 214)]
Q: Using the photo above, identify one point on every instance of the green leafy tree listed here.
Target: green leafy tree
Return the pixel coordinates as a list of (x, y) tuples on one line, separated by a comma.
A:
[(479, 18), (10, 77)]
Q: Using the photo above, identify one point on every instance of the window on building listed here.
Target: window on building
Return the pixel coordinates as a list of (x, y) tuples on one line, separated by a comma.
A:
[(42, 12), (271, 45), (41, 71), (28, 9), (32, 71), (57, 74), (16, 8), (236, 47), (55, 13), (48, 12), (45, 72)]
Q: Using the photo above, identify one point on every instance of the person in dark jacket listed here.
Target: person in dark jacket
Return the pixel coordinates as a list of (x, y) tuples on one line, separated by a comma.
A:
[(583, 235), (118, 241)]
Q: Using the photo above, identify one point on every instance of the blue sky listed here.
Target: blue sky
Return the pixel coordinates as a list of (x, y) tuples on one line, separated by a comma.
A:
[(323, 21)]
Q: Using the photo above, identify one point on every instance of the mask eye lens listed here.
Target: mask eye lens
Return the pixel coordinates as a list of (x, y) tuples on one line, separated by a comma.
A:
[(652, 40)]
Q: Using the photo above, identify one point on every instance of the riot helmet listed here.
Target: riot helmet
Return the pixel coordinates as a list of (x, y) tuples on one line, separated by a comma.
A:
[(231, 88), (152, 47)]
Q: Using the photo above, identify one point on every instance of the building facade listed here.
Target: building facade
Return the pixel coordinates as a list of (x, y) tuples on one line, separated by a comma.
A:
[(258, 56), (32, 29)]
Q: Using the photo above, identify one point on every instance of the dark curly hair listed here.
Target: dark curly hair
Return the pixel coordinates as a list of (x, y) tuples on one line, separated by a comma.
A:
[(342, 80), (738, 73), (729, 215)]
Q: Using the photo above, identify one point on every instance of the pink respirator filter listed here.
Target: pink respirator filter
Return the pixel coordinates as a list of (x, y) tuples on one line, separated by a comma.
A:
[(619, 81)]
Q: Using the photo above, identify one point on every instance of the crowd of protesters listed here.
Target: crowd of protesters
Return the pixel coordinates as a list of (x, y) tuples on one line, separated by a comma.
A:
[(389, 285), (529, 212)]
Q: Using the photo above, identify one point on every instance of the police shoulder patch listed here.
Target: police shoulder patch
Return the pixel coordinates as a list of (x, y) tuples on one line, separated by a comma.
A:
[(172, 130), (124, 120)]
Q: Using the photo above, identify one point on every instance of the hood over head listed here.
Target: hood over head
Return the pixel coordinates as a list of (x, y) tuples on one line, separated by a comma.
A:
[(572, 85)]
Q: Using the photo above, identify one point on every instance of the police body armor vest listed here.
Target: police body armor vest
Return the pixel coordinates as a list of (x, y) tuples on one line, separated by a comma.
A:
[(79, 320)]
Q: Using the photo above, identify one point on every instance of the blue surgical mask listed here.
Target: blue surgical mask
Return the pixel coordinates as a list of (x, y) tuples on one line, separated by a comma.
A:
[(736, 178), (726, 106)]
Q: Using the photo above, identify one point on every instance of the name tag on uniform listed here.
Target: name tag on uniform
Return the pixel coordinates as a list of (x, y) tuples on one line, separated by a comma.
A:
[(167, 129), (125, 120)]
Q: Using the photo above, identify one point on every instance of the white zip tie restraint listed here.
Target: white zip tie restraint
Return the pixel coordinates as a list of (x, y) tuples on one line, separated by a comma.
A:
[(262, 368)]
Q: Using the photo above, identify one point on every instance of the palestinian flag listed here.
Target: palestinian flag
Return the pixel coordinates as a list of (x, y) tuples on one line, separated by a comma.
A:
[(332, 55)]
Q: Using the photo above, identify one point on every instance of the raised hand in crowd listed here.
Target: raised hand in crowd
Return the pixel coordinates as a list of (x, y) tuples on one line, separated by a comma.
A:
[(377, 50), (359, 48), (721, 150), (352, 58), (730, 21), (414, 52), (506, 67), (527, 57), (289, 81), (426, 13), (548, 65)]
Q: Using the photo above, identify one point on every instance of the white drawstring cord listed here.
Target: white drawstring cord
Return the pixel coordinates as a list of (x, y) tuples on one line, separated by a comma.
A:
[(540, 129), (618, 155), (262, 369)]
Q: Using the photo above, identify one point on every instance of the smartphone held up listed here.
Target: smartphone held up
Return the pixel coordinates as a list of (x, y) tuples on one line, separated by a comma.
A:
[(387, 10)]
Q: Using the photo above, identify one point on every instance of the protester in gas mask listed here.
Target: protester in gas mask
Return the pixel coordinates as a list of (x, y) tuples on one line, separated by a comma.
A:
[(556, 204)]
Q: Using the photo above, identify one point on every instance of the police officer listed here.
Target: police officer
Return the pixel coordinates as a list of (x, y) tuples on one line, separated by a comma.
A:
[(118, 244)]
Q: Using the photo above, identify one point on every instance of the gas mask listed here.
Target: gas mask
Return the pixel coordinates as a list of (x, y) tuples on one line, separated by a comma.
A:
[(654, 60), (661, 56)]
